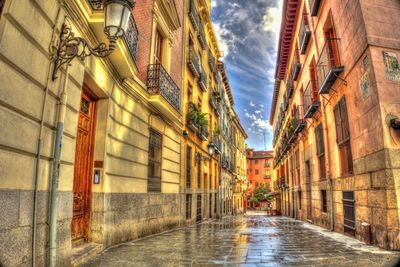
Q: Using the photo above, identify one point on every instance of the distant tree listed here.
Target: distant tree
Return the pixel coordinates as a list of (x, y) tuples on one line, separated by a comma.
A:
[(261, 193)]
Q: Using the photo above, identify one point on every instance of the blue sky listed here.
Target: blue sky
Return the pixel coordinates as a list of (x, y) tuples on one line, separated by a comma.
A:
[(248, 32)]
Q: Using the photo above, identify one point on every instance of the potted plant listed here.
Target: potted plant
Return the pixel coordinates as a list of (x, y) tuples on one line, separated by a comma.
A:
[(192, 118)]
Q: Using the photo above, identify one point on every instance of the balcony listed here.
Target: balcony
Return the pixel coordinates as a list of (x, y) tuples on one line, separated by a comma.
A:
[(298, 122), (160, 83), (191, 118), (304, 34), (213, 101), (203, 133), (131, 38), (217, 143), (285, 103), (296, 66), (328, 66), (314, 7), (267, 177), (193, 16), (211, 62), (202, 81), (202, 37), (193, 62), (290, 88), (310, 100)]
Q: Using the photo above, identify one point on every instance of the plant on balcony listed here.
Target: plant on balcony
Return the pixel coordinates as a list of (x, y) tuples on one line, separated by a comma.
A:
[(217, 130), (191, 120)]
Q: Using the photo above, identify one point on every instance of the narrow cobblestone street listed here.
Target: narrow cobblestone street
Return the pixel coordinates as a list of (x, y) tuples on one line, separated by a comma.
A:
[(251, 240)]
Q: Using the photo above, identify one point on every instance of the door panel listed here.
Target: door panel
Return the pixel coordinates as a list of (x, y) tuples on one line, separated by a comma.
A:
[(83, 167)]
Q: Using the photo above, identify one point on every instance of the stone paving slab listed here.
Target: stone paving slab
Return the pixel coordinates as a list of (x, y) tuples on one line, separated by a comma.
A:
[(250, 240)]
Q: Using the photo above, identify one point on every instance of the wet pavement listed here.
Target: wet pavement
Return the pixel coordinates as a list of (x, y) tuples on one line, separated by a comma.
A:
[(251, 240)]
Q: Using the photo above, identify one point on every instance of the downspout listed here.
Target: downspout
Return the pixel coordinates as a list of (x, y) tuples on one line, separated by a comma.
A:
[(39, 148), (329, 173), (56, 173)]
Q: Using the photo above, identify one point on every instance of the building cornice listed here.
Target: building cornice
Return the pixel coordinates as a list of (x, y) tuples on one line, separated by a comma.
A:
[(290, 13)]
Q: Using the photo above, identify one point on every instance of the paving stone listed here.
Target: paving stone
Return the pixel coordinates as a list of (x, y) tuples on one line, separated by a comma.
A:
[(250, 240)]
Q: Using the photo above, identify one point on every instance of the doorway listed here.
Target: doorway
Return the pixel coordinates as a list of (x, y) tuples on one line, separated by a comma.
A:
[(83, 167), (308, 191), (198, 214)]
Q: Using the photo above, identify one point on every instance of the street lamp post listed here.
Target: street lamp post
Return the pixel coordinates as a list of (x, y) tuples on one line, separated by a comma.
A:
[(116, 23)]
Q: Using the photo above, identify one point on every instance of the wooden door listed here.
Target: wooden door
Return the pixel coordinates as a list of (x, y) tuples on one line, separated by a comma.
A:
[(198, 214), (83, 167)]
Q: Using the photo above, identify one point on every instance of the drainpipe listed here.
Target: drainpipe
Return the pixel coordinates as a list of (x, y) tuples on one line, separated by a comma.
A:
[(329, 173), (56, 173), (39, 148)]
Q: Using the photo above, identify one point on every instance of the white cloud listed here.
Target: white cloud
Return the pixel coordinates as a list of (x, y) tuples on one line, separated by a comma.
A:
[(213, 3), (257, 111), (252, 104)]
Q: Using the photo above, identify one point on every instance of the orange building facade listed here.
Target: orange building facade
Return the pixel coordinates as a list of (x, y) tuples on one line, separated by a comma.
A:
[(335, 114), (259, 171)]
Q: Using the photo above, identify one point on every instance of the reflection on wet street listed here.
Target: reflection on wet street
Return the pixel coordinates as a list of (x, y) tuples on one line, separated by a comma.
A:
[(250, 240)]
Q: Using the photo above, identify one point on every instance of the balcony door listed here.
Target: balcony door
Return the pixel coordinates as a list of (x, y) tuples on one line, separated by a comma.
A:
[(83, 167), (308, 188), (158, 50)]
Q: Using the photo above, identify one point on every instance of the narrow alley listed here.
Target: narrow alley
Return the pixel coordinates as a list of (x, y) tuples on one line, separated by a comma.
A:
[(250, 240)]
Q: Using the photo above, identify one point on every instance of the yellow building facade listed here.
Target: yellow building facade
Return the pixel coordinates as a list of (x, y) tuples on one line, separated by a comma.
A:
[(239, 136), (119, 173), (201, 112)]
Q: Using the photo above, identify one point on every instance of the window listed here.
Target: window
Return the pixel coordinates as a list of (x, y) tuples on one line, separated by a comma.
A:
[(188, 166), (188, 207), (256, 161), (158, 49), (319, 135), (343, 137), (324, 201), (1, 6), (199, 172), (349, 213), (154, 169), (257, 172)]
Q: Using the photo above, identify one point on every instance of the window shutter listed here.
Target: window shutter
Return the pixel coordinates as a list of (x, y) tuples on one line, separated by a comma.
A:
[(345, 120), (338, 123)]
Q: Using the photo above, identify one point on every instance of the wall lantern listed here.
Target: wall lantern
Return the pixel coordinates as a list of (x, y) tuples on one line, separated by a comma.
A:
[(116, 23), (211, 148)]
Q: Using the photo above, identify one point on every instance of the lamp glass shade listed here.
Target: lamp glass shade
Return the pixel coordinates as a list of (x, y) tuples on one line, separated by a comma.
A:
[(211, 149), (116, 20)]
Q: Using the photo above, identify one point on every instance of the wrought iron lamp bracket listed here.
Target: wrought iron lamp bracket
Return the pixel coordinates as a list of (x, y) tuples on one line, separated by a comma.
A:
[(71, 46)]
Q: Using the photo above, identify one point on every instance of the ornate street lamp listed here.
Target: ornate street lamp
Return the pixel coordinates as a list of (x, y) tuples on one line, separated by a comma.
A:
[(211, 148), (116, 23)]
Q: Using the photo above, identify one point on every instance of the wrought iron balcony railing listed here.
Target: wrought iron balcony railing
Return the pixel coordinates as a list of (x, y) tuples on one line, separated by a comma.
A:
[(310, 100), (285, 103), (290, 87), (193, 16), (211, 62), (202, 81), (131, 37), (203, 133), (314, 7), (202, 37), (304, 34), (193, 62), (296, 66), (299, 123), (160, 82), (328, 66), (217, 142), (190, 118), (213, 101)]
